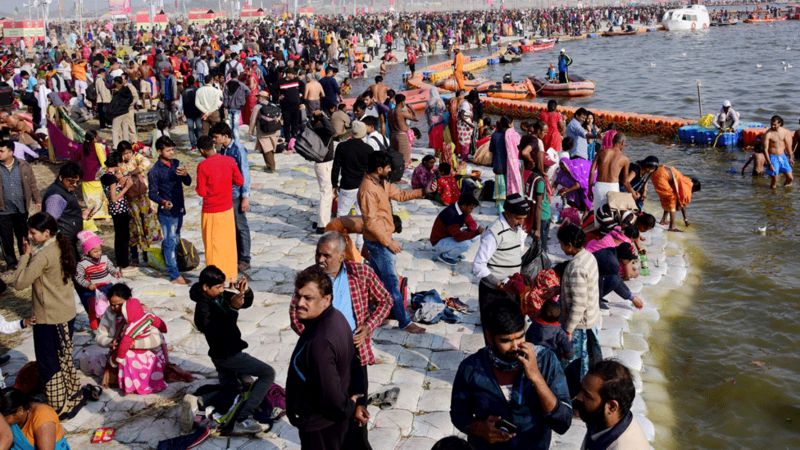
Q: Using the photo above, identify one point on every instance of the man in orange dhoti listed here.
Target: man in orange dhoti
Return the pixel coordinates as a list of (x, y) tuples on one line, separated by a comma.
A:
[(216, 177), (673, 188), (458, 67)]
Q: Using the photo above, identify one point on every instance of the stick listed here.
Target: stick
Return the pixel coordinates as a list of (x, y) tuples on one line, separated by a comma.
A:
[(699, 100)]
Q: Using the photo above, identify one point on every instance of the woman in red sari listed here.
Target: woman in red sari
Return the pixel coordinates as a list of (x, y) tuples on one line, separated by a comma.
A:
[(252, 78)]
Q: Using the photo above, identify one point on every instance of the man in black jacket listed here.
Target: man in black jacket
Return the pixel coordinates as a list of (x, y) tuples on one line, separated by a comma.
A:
[(351, 161), (215, 316), (324, 379)]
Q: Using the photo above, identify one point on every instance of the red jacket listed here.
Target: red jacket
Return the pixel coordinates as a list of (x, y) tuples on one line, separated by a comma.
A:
[(215, 179)]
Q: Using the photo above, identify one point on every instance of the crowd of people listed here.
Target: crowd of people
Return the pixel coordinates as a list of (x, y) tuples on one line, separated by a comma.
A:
[(280, 79)]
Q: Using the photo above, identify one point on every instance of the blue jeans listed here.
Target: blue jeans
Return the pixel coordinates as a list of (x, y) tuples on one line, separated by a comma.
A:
[(451, 248), (171, 230), (382, 261), (233, 117), (195, 130)]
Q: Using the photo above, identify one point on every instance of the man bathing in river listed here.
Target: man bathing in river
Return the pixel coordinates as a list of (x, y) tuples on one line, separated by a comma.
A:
[(777, 143), (611, 167)]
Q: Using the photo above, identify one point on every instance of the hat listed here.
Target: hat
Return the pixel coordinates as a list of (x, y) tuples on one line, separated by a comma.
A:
[(563, 50), (517, 205), (726, 104), (116, 73), (651, 161), (89, 241), (359, 129)]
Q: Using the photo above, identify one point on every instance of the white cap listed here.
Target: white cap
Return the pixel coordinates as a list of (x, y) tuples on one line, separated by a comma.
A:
[(726, 104), (116, 73), (563, 50)]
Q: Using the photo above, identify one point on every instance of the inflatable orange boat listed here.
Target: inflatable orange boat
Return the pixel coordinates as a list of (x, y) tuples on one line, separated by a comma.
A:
[(415, 98), (450, 84), (578, 87), (764, 19), (511, 91)]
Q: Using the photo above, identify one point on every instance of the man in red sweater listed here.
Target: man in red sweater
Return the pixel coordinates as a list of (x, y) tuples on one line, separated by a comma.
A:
[(216, 177), (454, 230)]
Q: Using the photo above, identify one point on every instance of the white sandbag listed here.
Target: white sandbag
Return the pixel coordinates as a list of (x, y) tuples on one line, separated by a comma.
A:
[(634, 285), (615, 322), (676, 261), (622, 310), (647, 427), (635, 342), (650, 313), (631, 359), (610, 337)]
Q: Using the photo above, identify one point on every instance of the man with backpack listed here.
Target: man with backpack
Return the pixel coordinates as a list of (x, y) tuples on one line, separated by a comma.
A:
[(265, 125), (290, 95), (233, 99)]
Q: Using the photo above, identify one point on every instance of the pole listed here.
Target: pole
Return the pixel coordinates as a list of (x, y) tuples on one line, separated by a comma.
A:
[(699, 100)]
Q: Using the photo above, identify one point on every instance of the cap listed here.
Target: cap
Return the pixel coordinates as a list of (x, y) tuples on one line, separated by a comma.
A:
[(116, 73), (88, 241), (516, 204), (359, 129), (563, 50), (726, 104)]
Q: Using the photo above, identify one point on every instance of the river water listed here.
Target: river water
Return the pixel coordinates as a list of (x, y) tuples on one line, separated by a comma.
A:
[(727, 341)]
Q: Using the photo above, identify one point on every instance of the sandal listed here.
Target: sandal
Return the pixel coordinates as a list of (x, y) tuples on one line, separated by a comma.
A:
[(92, 392), (385, 399)]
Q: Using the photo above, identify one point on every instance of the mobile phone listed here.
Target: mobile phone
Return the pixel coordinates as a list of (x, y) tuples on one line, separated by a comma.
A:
[(516, 353), (504, 425)]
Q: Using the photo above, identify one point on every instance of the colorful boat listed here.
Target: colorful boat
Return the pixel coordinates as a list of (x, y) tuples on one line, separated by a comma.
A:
[(537, 47), (764, 19), (577, 87), (510, 57), (511, 91)]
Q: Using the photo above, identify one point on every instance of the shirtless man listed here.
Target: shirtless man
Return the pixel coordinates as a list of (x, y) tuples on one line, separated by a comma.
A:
[(796, 142), (313, 92), (399, 127), (778, 142), (379, 90), (611, 166)]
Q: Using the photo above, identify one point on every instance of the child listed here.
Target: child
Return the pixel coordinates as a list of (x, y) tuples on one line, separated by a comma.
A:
[(94, 271), (215, 316), (344, 89), (161, 129), (546, 331), (758, 160), (644, 223), (447, 190), (115, 186)]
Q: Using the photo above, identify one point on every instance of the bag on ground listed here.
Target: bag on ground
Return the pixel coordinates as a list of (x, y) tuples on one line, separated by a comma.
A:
[(186, 256)]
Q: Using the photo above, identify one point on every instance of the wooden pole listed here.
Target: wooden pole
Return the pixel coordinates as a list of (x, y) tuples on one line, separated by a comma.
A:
[(699, 99)]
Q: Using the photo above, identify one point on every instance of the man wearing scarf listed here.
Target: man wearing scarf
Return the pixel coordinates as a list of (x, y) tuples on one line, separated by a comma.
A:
[(604, 404), (510, 394)]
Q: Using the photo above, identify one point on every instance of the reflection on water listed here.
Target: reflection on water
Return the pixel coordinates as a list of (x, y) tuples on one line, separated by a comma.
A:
[(727, 341)]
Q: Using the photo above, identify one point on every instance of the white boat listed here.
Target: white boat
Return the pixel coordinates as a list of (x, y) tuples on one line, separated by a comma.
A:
[(694, 17)]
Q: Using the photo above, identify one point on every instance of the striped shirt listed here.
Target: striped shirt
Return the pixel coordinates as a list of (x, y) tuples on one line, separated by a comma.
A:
[(580, 293)]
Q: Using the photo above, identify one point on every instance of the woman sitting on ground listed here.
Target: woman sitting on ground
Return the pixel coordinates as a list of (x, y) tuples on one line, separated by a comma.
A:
[(138, 356), (33, 425)]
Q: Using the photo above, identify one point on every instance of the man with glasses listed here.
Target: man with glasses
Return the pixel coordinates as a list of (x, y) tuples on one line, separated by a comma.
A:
[(61, 202)]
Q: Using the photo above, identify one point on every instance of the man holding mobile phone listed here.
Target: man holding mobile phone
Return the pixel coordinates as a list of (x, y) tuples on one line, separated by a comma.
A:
[(532, 399), (165, 180)]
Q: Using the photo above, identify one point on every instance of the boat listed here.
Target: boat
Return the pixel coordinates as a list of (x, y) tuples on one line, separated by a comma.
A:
[(724, 23), (510, 57), (417, 99), (511, 91), (538, 46), (577, 87), (619, 33), (451, 84), (694, 17), (756, 19)]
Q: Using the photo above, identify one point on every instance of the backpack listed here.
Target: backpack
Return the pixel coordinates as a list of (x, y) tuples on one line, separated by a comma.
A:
[(269, 118), (186, 256), (487, 192), (236, 100), (381, 143), (309, 145), (91, 93)]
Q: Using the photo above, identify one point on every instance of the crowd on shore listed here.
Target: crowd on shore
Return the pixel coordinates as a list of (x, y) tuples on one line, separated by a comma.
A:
[(278, 80)]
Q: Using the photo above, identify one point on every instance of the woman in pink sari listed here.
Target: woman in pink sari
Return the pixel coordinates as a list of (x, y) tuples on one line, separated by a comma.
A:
[(513, 172)]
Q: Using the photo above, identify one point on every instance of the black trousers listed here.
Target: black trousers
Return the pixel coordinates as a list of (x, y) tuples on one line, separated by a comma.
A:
[(357, 437), (330, 438), (102, 116), (12, 226), (122, 238), (291, 122)]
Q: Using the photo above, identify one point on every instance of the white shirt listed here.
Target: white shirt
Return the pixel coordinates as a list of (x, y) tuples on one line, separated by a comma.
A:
[(487, 247), (373, 143)]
